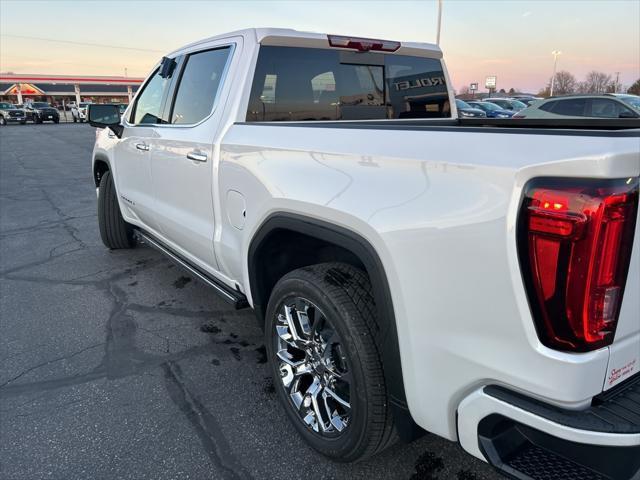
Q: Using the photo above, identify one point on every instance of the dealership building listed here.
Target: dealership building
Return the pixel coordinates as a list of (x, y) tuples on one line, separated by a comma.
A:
[(56, 89)]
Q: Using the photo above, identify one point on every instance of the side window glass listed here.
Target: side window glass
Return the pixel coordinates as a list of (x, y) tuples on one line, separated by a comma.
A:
[(148, 108), (572, 108), (199, 86)]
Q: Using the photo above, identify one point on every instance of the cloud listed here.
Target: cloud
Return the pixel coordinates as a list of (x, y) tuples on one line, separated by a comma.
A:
[(526, 14)]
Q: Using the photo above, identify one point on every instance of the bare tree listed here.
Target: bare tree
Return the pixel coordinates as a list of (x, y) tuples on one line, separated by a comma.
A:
[(635, 88), (565, 83), (464, 90), (595, 82)]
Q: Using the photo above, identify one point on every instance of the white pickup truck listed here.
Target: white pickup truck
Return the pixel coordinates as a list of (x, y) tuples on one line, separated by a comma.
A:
[(477, 279)]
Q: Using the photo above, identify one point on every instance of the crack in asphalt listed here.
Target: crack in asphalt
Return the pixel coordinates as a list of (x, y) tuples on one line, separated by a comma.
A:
[(206, 426)]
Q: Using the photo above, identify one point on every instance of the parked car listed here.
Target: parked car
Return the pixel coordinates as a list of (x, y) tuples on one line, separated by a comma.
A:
[(580, 106), (40, 112), (527, 100), (492, 110), (79, 113), (478, 283), (466, 110), (507, 104), (10, 113)]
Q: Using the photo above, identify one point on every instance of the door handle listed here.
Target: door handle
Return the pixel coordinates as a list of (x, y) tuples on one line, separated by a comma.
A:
[(197, 156), (142, 146)]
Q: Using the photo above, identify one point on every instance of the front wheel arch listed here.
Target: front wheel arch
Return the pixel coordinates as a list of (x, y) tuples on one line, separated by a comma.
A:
[(100, 166)]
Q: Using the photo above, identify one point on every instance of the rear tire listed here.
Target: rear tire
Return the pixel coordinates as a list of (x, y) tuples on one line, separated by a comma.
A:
[(332, 309), (114, 231)]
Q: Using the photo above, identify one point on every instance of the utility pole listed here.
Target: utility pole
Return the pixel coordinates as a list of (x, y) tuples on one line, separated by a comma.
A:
[(556, 54), (439, 22)]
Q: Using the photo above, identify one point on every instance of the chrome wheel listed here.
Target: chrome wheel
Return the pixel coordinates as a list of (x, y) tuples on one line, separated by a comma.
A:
[(313, 367)]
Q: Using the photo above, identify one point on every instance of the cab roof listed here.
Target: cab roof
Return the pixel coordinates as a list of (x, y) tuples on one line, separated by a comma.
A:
[(295, 38)]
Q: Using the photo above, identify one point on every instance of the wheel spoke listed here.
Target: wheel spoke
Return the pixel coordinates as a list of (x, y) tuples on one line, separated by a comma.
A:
[(312, 392), (287, 358), (297, 340), (337, 397)]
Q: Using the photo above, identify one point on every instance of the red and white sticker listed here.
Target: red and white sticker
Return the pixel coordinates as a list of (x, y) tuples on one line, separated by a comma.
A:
[(617, 374)]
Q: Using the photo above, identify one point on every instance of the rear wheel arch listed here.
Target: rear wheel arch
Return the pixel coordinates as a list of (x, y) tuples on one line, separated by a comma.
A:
[(315, 241)]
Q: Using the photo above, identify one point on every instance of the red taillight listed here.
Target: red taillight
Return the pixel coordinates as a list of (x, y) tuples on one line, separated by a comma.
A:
[(574, 243), (363, 44)]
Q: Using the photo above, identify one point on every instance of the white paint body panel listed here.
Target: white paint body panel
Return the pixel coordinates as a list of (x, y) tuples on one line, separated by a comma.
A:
[(438, 207)]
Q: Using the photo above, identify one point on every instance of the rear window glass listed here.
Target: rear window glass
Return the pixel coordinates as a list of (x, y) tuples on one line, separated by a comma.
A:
[(548, 106), (297, 84)]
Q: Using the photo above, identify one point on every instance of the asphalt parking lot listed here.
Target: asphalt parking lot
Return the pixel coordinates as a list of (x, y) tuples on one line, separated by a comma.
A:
[(119, 365)]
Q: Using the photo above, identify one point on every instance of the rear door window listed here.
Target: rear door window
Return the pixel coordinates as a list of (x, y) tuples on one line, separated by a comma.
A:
[(199, 85), (574, 107), (298, 84)]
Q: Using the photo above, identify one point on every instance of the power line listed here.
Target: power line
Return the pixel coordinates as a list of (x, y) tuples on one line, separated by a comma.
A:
[(84, 44)]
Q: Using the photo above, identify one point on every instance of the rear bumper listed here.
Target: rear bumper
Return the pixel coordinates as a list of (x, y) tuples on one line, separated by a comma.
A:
[(525, 438)]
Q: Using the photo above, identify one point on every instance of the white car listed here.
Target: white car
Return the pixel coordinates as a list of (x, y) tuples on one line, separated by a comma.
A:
[(413, 271), (79, 112), (583, 106)]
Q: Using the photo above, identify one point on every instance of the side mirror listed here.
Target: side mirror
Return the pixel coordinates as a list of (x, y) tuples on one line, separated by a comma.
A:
[(106, 116), (627, 114)]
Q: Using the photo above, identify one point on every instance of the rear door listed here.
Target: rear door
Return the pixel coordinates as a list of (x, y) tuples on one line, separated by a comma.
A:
[(182, 154)]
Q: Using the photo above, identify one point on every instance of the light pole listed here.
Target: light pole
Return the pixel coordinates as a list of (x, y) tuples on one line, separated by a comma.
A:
[(439, 22), (556, 54)]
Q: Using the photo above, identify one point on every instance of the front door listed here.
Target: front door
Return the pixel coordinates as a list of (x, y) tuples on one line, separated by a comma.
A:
[(133, 153), (182, 157)]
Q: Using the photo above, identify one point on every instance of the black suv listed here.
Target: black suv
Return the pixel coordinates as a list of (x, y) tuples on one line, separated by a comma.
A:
[(42, 112)]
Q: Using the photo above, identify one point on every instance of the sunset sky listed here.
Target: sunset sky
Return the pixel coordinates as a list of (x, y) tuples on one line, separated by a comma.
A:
[(512, 39)]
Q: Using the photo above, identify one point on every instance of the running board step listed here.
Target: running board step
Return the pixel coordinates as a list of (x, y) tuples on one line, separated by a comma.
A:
[(236, 298)]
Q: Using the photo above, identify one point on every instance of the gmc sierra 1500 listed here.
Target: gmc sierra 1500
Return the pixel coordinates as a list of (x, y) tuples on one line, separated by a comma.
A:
[(477, 279)]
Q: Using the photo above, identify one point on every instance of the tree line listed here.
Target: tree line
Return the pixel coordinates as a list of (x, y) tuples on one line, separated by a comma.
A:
[(566, 84), (594, 82)]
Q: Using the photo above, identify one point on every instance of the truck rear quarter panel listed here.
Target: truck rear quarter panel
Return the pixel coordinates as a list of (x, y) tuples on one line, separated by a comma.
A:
[(439, 208)]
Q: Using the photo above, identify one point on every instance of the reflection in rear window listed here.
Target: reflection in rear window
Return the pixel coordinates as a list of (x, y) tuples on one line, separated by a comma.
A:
[(297, 84)]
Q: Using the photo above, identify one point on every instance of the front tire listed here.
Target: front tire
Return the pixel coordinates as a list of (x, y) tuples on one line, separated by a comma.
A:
[(3, 121), (114, 231), (321, 336)]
